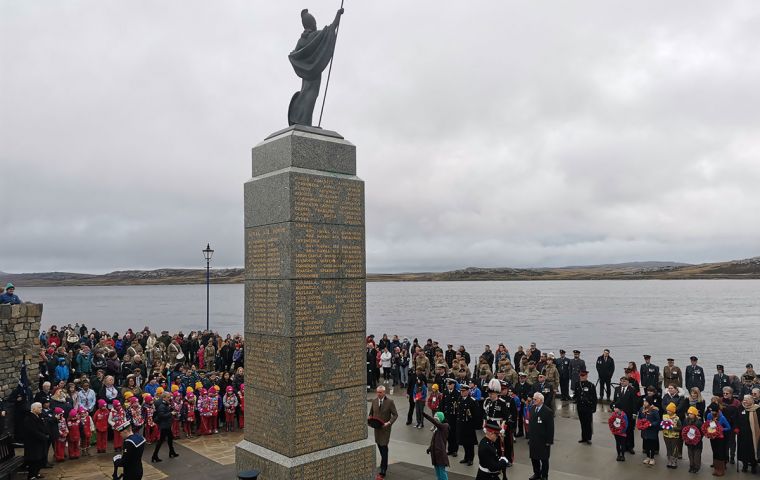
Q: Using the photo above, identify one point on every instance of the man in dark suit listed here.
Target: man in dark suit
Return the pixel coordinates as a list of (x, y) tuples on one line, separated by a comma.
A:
[(35, 441), (383, 408), (626, 400), (540, 437)]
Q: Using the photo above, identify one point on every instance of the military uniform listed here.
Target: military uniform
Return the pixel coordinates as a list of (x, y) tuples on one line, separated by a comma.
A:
[(131, 459), (498, 411), (695, 377), (672, 376), (650, 375), (546, 389), (577, 365), (585, 397), (467, 416), (450, 408), (563, 365), (523, 391), (490, 463)]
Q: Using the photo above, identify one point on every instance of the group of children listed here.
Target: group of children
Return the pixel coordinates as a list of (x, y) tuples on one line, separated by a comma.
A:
[(197, 412), (675, 433)]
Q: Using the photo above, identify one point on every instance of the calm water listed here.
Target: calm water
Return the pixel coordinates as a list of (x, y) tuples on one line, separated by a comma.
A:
[(715, 319)]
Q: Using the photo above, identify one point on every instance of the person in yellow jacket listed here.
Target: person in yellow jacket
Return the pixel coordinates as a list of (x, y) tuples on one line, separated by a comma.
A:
[(671, 432)]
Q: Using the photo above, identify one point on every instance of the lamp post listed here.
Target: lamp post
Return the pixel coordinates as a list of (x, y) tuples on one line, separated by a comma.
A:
[(207, 254)]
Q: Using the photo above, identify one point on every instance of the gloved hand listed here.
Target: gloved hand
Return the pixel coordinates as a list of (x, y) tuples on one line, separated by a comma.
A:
[(504, 459)]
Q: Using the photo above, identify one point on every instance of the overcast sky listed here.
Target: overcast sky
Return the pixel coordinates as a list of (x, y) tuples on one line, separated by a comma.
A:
[(509, 133)]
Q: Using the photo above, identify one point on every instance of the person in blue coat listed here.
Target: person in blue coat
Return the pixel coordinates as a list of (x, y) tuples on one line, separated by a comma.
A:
[(650, 435), (62, 371), (9, 296)]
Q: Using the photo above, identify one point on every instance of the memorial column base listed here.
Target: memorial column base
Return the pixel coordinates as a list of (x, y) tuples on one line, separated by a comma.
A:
[(351, 461)]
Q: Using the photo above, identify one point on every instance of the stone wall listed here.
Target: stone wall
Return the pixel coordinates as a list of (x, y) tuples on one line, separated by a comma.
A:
[(19, 335)]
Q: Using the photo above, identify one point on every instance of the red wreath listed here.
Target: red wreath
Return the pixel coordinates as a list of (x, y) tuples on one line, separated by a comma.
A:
[(691, 435), (715, 433), (643, 424), (621, 428)]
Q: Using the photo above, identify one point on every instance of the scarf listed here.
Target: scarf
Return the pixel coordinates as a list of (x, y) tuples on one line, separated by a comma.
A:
[(754, 424)]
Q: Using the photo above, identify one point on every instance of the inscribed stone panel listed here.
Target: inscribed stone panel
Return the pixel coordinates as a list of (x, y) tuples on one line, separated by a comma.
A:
[(328, 362)]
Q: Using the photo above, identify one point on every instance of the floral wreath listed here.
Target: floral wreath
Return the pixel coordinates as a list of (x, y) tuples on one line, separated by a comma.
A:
[(616, 424), (712, 430), (667, 424), (643, 424), (691, 435)]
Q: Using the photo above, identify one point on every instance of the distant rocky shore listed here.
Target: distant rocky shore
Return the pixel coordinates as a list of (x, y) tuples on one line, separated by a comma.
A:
[(737, 269)]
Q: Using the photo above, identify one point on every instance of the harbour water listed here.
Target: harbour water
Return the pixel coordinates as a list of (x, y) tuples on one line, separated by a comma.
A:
[(716, 320)]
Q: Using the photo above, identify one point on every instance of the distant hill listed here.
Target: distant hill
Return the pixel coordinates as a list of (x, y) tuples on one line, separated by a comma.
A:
[(738, 269)]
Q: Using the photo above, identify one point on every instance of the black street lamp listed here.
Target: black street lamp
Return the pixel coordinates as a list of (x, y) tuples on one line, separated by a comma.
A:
[(207, 254)]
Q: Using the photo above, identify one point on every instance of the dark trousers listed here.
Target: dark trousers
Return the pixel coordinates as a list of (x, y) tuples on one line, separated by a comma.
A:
[(564, 384), (34, 467), (629, 432), (520, 423), (453, 446), (587, 427), (540, 467), (620, 445), (469, 452), (411, 410), (383, 458), (166, 434), (605, 384)]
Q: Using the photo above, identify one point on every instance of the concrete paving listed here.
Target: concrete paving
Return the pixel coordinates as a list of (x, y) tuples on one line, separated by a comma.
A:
[(569, 459), (212, 457)]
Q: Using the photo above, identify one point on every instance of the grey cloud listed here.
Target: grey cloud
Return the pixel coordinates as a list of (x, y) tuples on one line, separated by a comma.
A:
[(491, 135)]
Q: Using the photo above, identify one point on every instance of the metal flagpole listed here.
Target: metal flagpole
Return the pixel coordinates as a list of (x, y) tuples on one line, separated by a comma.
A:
[(329, 71)]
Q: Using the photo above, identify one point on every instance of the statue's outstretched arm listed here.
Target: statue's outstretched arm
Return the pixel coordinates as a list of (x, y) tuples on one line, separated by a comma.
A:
[(336, 22)]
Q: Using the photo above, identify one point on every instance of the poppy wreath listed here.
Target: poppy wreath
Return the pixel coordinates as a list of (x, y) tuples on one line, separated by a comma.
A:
[(667, 424), (643, 424), (616, 424), (691, 435), (712, 430)]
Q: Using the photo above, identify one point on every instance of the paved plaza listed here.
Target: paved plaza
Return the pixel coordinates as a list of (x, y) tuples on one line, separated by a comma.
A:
[(213, 457)]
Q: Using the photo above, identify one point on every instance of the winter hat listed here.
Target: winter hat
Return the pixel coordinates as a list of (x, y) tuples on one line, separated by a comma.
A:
[(435, 387), (242, 387), (198, 385), (671, 408), (190, 395), (693, 411), (116, 403), (440, 416), (81, 409), (133, 400), (149, 398), (175, 388), (58, 410), (175, 394), (204, 391), (229, 389), (73, 413), (101, 403), (159, 391), (189, 390), (128, 395)]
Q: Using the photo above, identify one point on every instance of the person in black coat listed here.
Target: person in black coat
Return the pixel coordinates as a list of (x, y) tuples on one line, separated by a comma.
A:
[(523, 390), (35, 441), (625, 399), (650, 373), (51, 423), (163, 418), (695, 375), (720, 380), (563, 367), (467, 424), (450, 408), (540, 437), (585, 399), (605, 368)]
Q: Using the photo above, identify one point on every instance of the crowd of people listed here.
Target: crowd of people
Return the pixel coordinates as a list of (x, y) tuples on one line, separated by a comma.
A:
[(503, 394), (91, 382)]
